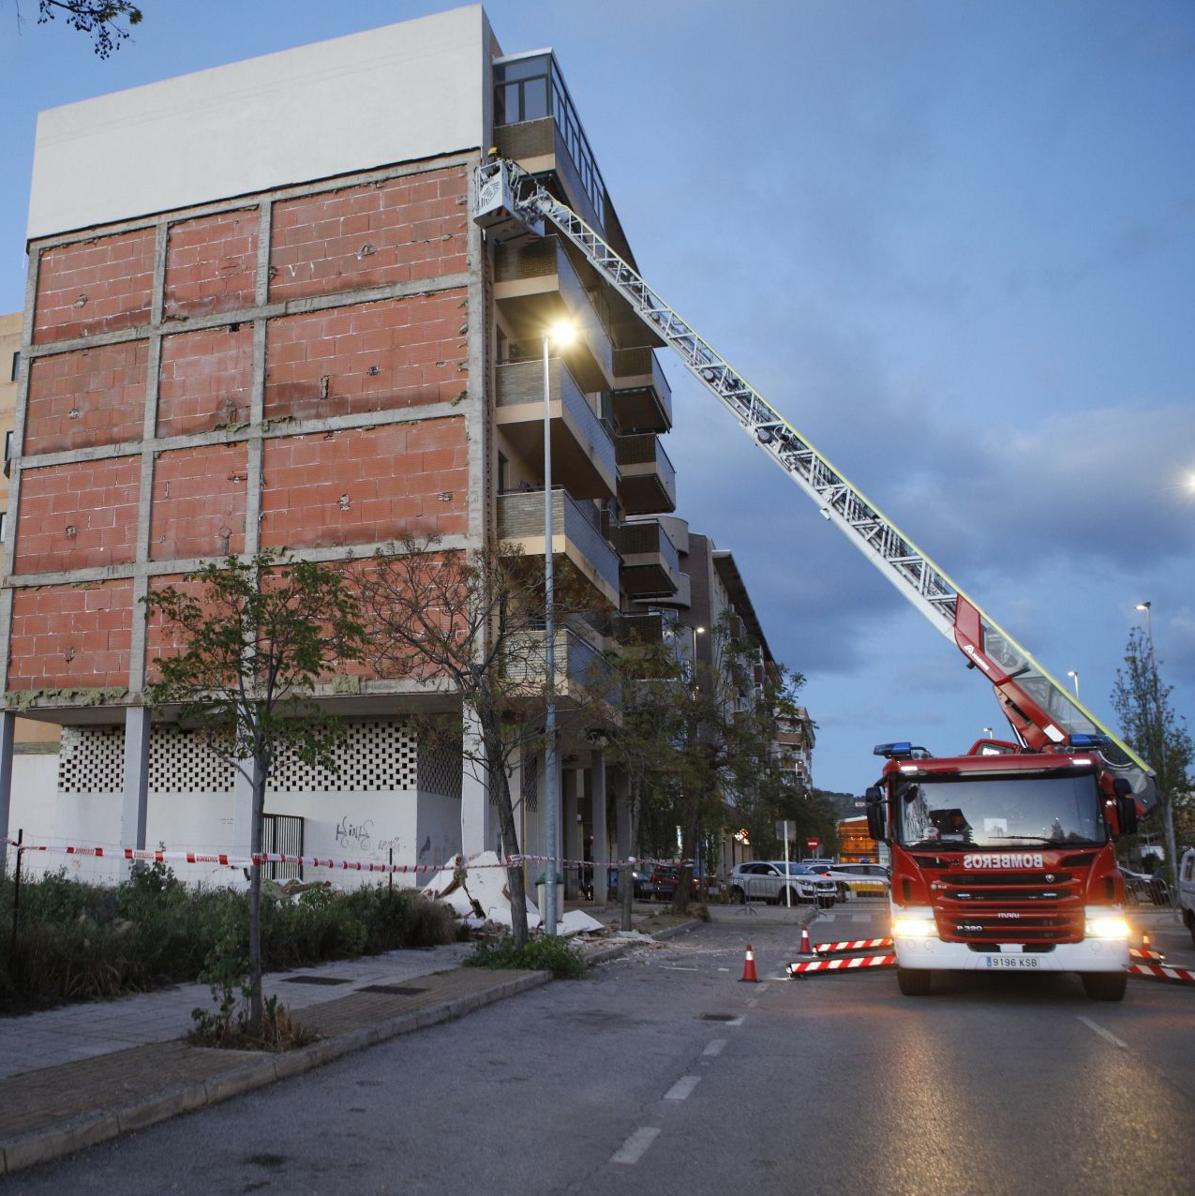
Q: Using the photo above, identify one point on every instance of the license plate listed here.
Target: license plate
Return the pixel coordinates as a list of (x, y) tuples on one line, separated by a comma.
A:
[(1011, 961)]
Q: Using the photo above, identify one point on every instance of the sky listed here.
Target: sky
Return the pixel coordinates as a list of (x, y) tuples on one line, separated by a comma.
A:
[(953, 242)]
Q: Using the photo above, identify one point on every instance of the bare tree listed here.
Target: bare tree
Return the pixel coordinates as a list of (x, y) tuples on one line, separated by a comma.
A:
[(254, 639), (472, 624)]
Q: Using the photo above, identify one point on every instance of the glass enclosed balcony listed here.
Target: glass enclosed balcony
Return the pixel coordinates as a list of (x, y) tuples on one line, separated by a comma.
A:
[(642, 398), (647, 483), (650, 562)]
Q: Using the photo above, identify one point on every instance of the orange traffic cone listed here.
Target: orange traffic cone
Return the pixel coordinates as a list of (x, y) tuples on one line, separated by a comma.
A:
[(806, 946), (749, 968)]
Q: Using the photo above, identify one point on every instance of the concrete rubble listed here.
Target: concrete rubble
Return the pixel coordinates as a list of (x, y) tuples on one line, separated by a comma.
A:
[(476, 891)]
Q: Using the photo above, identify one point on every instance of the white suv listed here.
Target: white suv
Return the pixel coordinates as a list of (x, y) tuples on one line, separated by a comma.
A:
[(766, 880), (1186, 889)]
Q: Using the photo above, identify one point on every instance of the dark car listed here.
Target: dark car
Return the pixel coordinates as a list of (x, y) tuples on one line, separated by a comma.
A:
[(664, 878), (640, 880)]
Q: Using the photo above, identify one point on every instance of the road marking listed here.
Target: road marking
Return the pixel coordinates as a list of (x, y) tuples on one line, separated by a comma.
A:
[(824, 918), (723, 969), (673, 967), (635, 1147), (753, 1002), (682, 1088), (860, 917), (1106, 1035), (715, 1047)]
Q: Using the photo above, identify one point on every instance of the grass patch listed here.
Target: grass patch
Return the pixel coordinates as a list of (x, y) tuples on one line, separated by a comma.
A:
[(83, 942), (548, 953)]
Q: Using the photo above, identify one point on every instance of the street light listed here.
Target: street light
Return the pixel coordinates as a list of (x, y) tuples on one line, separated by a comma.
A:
[(1167, 813), (561, 333), (1073, 674)]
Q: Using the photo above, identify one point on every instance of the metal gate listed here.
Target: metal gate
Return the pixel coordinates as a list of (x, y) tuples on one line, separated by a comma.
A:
[(283, 834)]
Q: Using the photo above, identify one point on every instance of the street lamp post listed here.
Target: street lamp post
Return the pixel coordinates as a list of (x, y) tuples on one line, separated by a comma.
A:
[(561, 333), (1073, 674), (1167, 812)]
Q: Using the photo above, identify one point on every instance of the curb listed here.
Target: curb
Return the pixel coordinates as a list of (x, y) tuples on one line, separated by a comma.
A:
[(605, 954), (43, 1146)]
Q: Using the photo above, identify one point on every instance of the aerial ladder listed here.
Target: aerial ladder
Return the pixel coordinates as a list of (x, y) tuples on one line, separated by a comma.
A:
[(511, 204)]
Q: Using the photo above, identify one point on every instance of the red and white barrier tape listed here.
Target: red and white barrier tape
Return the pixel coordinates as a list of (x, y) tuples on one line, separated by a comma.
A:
[(1153, 971), (841, 965), (1146, 955), (852, 945)]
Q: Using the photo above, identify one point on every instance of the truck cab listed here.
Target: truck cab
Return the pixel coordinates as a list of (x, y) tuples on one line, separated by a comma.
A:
[(1003, 860)]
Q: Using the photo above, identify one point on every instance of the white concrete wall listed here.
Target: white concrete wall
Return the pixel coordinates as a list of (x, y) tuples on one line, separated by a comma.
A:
[(393, 94)]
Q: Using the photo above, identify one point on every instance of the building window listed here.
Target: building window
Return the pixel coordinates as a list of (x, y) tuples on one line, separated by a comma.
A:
[(16, 366), (532, 87), (3, 526), (8, 445)]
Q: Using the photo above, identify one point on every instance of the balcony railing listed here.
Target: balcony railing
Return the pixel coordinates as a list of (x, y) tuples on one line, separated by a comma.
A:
[(642, 398), (537, 285), (580, 669), (574, 530), (648, 482), (650, 562), (582, 447)]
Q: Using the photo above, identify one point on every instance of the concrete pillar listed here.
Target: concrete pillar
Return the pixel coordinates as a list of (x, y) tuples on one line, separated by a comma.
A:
[(601, 835), (570, 837), (478, 824), (134, 802), (242, 809), (7, 724)]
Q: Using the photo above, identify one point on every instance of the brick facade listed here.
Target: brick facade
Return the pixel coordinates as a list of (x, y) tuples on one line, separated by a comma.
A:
[(364, 468)]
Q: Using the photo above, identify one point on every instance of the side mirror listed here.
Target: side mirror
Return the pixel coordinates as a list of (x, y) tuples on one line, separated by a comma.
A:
[(875, 816), (874, 793), (1126, 814)]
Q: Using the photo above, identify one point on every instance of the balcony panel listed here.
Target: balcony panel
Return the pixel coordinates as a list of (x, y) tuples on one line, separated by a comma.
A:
[(647, 483), (579, 669), (681, 600), (582, 447), (642, 397), (577, 540), (537, 285), (650, 562)]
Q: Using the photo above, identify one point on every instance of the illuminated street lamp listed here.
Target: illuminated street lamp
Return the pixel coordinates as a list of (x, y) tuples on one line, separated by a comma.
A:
[(560, 334)]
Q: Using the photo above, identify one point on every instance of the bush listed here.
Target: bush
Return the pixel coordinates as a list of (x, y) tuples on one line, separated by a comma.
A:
[(548, 953), (79, 941)]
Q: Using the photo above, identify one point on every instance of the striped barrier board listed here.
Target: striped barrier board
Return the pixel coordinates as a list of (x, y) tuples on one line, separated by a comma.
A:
[(840, 965), (1145, 955), (1155, 971), (852, 945)]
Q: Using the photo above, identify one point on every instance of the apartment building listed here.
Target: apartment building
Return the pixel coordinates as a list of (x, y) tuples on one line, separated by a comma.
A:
[(269, 321)]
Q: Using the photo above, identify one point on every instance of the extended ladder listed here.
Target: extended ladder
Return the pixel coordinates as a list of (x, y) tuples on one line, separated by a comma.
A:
[(1041, 711)]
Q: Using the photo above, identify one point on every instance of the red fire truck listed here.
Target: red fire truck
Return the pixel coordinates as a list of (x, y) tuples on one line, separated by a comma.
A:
[(1003, 860)]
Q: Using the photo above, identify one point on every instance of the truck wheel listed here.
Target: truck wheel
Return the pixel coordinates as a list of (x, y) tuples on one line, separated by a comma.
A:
[(1105, 986), (914, 982)]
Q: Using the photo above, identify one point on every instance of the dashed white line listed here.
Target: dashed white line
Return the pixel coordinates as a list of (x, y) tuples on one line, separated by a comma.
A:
[(716, 1047), (1106, 1035), (634, 1148), (683, 1087)]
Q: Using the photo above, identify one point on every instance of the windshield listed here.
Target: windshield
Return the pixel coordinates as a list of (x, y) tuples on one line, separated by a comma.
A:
[(1001, 811)]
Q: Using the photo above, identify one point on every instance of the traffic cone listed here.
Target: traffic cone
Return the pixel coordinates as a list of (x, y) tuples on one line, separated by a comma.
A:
[(1145, 940), (806, 946), (749, 968)]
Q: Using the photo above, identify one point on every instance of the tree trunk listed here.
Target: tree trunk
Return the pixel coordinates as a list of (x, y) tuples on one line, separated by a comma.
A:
[(500, 789), (256, 1006), (680, 899)]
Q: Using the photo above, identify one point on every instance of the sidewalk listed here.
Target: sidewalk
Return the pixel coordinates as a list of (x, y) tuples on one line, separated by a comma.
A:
[(75, 1076)]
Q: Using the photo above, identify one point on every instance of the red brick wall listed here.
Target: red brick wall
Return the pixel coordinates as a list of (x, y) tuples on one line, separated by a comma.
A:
[(66, 636), (355, 487), (161, 641), (95, 396), (205, 380), (94, 286), (408, 228), (199, 502), (211, 264), (377, 356), (78, 516)]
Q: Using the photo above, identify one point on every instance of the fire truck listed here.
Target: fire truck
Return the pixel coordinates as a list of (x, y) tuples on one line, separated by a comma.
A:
[(1002, 859)]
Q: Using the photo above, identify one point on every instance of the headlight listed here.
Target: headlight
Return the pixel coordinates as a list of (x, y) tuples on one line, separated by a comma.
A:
[(1106, 925), (914, 923)]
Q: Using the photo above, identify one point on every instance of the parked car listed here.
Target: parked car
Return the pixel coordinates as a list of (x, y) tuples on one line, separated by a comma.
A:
[(872, 879), (1186, 889), (664, 879), (767, 880), (640, 882), (1140, 887)]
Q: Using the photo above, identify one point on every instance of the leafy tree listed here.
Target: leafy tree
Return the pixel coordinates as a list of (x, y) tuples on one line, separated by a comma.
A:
[(471, 623), (107, 22), (252, 642), (1160, 735)]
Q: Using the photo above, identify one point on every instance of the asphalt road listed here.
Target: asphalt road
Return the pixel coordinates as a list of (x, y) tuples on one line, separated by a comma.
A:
[(664, 1073)]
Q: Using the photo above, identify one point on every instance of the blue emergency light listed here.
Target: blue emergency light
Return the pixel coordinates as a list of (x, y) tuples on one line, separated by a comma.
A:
[(893, 750), (1089, 742)]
